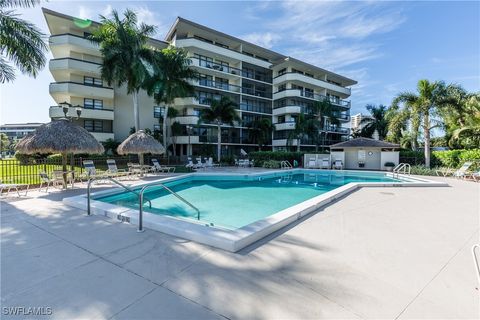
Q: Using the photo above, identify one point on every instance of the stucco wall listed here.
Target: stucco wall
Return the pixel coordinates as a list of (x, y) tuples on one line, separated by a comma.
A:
[(389, 156)]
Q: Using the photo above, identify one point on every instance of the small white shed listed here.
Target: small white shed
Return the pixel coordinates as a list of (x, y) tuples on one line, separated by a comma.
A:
[(365, 154)]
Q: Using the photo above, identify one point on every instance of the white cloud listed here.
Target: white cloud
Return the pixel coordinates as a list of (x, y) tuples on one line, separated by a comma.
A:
[(84, 13), (107, 11), (266, 40)]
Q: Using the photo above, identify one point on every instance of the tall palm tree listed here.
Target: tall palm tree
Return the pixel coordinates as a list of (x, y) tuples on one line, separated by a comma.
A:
[(21, 43), (169, 80), (424, 106), (304, 127), (260, 131), (220, 112), (326, 114), (126, 56), (377, 122)]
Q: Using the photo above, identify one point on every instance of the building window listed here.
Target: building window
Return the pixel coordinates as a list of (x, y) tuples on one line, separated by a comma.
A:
[(204, 61), (90, 81), (158, 111), (282, 71), (93, 125), (92, 103)]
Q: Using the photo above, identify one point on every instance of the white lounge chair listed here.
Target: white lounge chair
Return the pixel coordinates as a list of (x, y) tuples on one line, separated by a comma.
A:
[(474, 175), (157, 167), (114, 171), (189, 164), (10, 186), (338, 165), (91, 172), (210, 164), (325, 164), (462, 171), (199, 164), (443, 172)]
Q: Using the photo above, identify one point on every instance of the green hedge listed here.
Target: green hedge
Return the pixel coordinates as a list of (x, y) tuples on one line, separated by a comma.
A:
[(260, 157), (446, 158)]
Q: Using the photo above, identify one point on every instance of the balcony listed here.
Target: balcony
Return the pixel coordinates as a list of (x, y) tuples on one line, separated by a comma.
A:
[(308, 95), (62, 44), (293, 76), (187, 120), (100, 114), (185, 139), (289, 125), (218, 85), (229, 53), (256, 93), (60, 91), (255, 108), (103, 136), (190, 101), (68, 65), (214, 68), (287, 110)]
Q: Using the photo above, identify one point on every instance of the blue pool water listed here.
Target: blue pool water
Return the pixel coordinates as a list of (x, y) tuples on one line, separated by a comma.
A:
[(235, 201)]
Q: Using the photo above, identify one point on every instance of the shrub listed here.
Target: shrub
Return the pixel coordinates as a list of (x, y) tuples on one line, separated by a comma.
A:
[(420, 170), (445, 158), (271, 164), (28, 158), (262, 156)]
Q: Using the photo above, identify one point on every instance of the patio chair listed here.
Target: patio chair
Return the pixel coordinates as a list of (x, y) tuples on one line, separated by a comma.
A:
[(10, 186), (113, 170), (57, 176), (91, 171), (325, 163), (462, 172), (444, 171), (157, 167), (199, 164), (189, 164), (475, 176), (338, 165), (209, 163)]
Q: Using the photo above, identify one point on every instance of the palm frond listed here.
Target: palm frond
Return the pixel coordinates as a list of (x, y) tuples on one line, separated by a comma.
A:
[(18, 3)]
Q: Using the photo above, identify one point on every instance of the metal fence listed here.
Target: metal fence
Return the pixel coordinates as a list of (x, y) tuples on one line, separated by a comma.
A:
[(28, 172)]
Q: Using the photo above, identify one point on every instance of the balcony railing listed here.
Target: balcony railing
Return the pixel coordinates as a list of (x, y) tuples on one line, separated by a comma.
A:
[(253, 108), (217, 66), (81, 83), (257, 93), (213, 139), (310, 95), (219, 85)]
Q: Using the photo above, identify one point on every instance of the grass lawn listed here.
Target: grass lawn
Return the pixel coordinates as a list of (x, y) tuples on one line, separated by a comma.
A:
[(11, 171)]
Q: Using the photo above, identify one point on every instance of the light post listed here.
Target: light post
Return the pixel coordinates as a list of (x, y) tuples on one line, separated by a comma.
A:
[(189, 132), (66, 107)]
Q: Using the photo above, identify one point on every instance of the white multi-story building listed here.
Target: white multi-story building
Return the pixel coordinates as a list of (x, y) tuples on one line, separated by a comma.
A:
[(16, 131), (263, 83), (356, 121)]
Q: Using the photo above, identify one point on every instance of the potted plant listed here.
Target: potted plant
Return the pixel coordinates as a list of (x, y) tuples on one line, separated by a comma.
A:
[(389, 166)]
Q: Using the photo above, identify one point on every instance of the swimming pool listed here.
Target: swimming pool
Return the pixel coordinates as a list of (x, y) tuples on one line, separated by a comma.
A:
[(236, 209), (233, 202)]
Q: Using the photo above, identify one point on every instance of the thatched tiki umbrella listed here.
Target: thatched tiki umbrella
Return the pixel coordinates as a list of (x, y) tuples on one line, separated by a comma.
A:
[(140, 143), (60, 136)]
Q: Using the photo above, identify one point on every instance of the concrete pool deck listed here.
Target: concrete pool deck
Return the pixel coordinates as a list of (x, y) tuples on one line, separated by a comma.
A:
[(390, 253)]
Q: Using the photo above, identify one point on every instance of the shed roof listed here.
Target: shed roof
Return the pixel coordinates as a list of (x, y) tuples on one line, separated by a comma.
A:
[(365, 142)]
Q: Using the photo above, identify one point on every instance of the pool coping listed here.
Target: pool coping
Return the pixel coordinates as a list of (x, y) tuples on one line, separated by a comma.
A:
[(237, 239)]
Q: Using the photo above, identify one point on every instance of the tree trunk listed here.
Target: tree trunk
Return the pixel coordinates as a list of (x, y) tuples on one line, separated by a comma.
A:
[(426, 129), (219, 142), (164, 129), (136, 111)]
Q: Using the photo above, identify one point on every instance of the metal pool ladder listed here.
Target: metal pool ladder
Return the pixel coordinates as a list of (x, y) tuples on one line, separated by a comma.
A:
[(476, 260), (114, 181), (285, 165), (404, 168), (140, 201)]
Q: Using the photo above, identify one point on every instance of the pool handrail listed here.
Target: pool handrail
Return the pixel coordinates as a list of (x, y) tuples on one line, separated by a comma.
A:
[(114, 181), (402, 167), (160, 184)]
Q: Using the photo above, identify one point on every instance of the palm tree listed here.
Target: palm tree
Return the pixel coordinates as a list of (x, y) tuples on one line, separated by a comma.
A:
[(177, 130), (376, 122), (423, 107), (126, 56), (260, 131), (304, 127), (170, 80), (326, 115), (21, 43), (220, 112)]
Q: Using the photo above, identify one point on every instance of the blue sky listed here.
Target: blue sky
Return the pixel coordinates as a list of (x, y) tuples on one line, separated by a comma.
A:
[(386, 46)]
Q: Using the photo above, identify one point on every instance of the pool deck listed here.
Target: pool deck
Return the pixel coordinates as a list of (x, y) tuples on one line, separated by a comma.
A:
[(389, 253)]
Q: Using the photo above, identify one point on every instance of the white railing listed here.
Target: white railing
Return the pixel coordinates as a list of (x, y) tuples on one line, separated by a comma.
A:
[(285, 165), (403, 168)]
